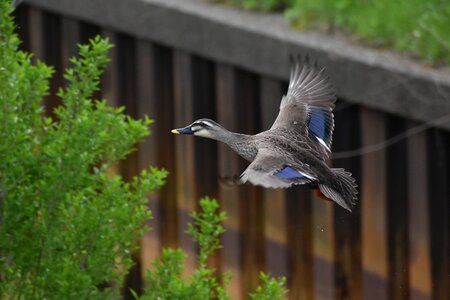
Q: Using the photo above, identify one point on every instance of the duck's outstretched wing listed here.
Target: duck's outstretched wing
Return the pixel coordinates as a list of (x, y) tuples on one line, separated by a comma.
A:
[(308, 105), (270, 170)]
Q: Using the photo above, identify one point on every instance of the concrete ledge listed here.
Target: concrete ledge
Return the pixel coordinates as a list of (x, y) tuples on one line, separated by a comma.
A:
[(263, 43)]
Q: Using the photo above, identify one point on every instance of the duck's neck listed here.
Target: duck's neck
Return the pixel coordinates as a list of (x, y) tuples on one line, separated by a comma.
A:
[(242, 144)]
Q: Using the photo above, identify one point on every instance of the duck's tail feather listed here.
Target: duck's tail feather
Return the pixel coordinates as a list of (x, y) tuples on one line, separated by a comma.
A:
[(343, 191)]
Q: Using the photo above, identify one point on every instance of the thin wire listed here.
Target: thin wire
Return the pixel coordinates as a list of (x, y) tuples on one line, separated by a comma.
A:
[(388, 142), (395, 139)]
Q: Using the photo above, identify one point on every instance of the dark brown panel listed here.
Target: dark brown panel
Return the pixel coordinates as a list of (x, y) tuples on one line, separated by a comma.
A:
[(300, 248), (52, 56), (151, 241), (275, 221), (439, 195), (373, 208), (126, 65), (251, 204), (397, 211), (163, 116), (347, 226), (70, 37), (126, 68), (110, 80), (206, 151), (184, 153), (418, 214), (88, 31), (229, 166), (22, 20), (36, 34), (204, 107)]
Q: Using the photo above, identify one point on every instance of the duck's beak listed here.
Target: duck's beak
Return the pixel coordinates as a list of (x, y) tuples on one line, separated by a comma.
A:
[(185, 130)]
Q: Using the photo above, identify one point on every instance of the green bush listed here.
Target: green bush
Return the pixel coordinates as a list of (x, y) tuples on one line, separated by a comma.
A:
[(67, 228), (166, 282)]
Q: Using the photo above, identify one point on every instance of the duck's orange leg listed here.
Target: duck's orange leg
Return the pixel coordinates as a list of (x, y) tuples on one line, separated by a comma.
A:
[(320, 195)]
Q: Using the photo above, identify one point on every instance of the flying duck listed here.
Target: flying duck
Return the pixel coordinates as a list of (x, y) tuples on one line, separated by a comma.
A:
[(294, 150)]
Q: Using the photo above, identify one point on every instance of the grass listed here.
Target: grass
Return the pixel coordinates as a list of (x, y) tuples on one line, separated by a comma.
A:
[(418, 27)]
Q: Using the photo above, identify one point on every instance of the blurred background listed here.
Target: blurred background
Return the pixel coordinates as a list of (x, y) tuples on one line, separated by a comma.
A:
[(180, 60)]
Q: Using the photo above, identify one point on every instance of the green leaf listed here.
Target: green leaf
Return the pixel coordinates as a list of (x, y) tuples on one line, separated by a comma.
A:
[(270, 288)]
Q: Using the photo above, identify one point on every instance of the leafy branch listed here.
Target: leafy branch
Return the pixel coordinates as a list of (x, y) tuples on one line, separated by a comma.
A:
[(165, 280)]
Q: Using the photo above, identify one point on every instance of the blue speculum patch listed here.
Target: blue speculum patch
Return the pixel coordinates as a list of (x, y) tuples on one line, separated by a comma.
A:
[(317, 123), (289, 173)]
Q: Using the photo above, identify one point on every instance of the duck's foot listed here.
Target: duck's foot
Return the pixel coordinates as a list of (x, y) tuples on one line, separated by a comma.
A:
[(230, 181)]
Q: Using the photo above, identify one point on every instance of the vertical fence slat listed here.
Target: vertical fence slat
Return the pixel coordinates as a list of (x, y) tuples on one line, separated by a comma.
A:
[(205, 150), (110, 79), (373, 208), (276, 232), (274, 199), (204, 107), (323, 237), (251, 209), (439, 195), (36, 34), (397, 223), (70, 37), (51, 26), (184, 152), (229, 166), (126, 49), (126, 68), (22, 20), (419, 253), (165, 143), (347, 225), (89, 31), (150, 243), (300, 246)]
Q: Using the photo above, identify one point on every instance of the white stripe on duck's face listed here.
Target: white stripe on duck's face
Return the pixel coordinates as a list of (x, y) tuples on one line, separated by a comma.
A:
[(202, 132), (202, 128), (206, 123)]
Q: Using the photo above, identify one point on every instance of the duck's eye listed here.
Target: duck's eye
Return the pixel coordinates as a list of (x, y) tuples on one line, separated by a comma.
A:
[(196, 128)]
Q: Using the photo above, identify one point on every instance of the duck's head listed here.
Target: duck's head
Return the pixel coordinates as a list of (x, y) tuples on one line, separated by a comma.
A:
[(203, 127)]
